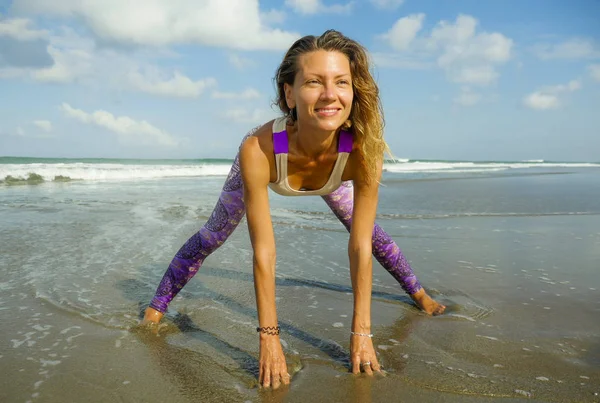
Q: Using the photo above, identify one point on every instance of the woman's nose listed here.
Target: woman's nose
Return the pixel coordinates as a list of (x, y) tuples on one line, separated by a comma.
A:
[(328, 92)]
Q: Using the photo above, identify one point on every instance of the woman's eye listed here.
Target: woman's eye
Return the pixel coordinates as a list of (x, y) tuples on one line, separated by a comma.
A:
[(343, 82)]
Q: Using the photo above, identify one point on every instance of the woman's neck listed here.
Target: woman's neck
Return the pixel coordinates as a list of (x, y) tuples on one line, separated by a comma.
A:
[(311, 143)]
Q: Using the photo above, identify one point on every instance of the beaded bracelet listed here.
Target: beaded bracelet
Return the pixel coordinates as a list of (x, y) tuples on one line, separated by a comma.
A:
[(361, 334), (270, 330)]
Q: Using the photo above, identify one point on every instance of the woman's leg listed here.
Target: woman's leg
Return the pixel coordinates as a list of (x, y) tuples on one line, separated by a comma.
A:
[(224, 219), (385, 250)]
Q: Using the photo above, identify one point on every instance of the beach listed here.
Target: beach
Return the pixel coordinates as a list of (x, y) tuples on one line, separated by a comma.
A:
[(512, 249)]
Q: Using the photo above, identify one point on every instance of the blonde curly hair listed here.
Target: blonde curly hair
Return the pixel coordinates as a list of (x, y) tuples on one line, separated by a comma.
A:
[(366, 120)]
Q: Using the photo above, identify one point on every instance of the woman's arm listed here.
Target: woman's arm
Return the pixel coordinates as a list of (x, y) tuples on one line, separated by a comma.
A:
[(361, 268), (255, 175)]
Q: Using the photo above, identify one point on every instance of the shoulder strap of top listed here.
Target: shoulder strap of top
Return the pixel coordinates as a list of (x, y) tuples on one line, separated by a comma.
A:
[(345, 142), (280, 140)]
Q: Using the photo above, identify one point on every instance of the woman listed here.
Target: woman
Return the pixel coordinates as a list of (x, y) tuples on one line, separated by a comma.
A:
[(329, 143)]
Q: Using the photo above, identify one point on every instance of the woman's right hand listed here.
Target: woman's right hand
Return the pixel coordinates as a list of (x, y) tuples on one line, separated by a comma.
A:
[(272, 369)]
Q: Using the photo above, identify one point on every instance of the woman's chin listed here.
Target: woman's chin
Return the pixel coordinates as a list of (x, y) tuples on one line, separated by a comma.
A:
[(328, 123)]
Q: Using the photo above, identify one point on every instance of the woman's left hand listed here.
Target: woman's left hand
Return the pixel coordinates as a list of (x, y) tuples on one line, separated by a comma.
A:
[(362, 355)]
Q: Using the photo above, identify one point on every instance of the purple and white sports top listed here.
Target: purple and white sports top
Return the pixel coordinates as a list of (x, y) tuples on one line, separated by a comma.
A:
[(280, 147)]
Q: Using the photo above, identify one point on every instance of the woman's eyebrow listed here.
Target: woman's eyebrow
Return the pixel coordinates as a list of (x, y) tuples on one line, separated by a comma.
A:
[(322, 75)]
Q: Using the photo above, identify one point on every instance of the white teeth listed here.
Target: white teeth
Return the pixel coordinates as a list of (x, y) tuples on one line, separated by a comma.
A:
[(327, 110)]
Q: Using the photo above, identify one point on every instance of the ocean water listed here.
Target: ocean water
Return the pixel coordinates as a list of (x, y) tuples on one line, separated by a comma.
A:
[(18, 169), (512, 248)]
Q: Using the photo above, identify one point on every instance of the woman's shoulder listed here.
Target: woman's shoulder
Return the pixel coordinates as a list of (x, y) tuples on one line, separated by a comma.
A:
[(266, 129), (256, 153), (259, 141), (262, 137)]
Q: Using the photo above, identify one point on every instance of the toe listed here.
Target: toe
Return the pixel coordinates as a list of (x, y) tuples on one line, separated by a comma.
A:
[(439, 310)]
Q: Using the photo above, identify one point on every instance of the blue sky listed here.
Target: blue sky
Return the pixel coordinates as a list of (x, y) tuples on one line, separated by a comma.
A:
[(466, 80)]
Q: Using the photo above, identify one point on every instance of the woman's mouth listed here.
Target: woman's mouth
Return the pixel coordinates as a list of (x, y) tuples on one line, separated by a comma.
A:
[(327, 111)]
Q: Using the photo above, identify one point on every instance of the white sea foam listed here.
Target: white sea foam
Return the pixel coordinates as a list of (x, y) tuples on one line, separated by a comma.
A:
[(111, 172), (457, 167), (69, 328), (488, 337), (130, 170), (49, 362)]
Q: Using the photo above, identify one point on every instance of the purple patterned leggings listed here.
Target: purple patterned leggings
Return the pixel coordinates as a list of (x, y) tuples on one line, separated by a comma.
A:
[(227, 215)]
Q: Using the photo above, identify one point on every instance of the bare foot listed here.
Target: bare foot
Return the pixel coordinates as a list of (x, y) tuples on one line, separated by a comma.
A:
[(153, 316), (427, 304)]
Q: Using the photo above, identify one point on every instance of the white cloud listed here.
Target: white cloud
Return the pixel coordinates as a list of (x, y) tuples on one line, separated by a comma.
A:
[(466, 55), (308, 7), (248, 93), (539, 100), (179, 85), (69, 65), (20, 131), (77, 59), (19, 28), (273, 17), (549, 97), (304, 6), (22, 47), (575, 48), (460, 32), (69, 58), (395, 60), (239, 62), (572, 85), (247, 116), (404, 31), (45, 125), (130, 131), (482, 74), (594, 70), (467, 97), (387, 4), (232, 24)]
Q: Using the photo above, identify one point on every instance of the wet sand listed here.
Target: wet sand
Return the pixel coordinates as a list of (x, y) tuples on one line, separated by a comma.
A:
[(522, 293)]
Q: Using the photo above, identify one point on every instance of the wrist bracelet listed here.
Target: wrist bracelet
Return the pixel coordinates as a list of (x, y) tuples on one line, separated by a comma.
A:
[(361, 334), (271, 330)]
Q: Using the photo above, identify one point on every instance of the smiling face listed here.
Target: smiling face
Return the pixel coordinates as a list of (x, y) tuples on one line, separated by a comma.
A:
[(322, 91)]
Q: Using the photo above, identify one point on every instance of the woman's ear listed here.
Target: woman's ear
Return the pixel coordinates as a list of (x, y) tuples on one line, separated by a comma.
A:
[(289, 99)]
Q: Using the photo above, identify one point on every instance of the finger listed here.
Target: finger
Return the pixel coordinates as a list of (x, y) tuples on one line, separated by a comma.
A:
[(285, 375), (375, 365), (261, 373), (367, 368), (267, 378), (276, 379), (356, 364)]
